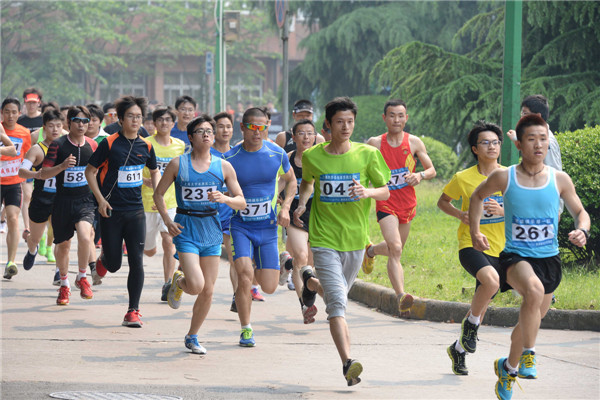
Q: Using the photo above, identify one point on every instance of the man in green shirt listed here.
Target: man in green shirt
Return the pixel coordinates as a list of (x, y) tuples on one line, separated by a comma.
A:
[(340, 171)]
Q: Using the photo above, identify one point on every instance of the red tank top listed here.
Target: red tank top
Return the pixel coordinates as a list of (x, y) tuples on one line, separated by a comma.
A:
[(400, 161)]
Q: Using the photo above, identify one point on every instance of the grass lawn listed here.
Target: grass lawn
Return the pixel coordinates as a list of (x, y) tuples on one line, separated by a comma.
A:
[(432, 269)]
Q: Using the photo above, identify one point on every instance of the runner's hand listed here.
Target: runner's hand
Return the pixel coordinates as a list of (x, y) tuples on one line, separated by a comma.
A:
[(480, 242), (578, 238), (491, 206), (412, 179), (103, 206), (69, 162), (358, 191), (283, 218), (216, 197), (174, 228), (464, 217), (297, 214)]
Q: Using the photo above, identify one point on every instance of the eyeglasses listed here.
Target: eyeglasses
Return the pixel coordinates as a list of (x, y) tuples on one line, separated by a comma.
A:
[(79, 120), (488, 142), (255, 127), (302, 133), (186, 110), (134, 117), (111, 114), (164, 120), (203, 132)]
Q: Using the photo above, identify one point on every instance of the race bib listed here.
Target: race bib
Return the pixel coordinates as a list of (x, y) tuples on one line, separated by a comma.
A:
[(297, 196), (75, 177), (532, 232), (335, 188), (257, 209), (50, 185), (161, 163), (18, 142), (197, 194), (491, 218), (130, 176), (397, 180), (9, 168)]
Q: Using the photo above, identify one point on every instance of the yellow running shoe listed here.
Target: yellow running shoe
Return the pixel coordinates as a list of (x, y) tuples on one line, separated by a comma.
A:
[(367, 264), (175, 292)]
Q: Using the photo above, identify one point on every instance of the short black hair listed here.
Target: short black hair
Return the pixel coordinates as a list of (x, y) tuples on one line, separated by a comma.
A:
[(184, 99), (482, 126), (51, 115), (160, 111), (107, 106), (124, 103), (222, 115), (95, 111), (325, 127), (527, 121), (74, 110), (50, 104), (537, 104), (197, 121), (302, 122), (340, 104), (11, 100), (253, 112), (393, 103)]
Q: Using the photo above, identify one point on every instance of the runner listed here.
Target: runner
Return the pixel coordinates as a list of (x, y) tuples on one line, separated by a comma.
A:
[(341, 172), (185, 107), (119, 160), (223, 135), (530, 262), (485, 140), (197, 229), (44, 191), (10, 182), (297, 236), (254, 230), (303, 109), (74, 205), (166, 148), (394, 215)]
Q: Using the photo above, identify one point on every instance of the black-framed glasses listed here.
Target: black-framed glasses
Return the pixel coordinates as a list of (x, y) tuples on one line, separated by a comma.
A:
[(79, 120), (203, 132), (490, 142)]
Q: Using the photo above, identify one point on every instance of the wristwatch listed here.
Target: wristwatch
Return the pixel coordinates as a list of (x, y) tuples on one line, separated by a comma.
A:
[(585, 232), (422, 173)]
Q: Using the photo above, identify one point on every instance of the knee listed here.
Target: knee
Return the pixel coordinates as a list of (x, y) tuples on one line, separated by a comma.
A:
[(150, 252), (300, 258), (491, 283), (395, 249), (534, 293), (12, 219)]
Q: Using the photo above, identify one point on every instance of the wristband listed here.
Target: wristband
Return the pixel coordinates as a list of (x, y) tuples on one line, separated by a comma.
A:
[(585, 232), (26, 164)]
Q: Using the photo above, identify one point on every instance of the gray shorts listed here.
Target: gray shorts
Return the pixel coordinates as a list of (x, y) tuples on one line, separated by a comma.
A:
[(336, 271)]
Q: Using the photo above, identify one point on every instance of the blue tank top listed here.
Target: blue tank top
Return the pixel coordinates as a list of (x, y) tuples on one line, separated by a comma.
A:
[(531, 217), (192, 187), (224, 210)]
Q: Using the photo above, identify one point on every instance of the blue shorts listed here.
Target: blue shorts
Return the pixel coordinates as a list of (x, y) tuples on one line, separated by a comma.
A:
[(259, 244), (200, 236), (189, 247)]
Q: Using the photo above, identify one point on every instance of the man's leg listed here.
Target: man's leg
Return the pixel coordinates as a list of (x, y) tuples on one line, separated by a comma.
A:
[(84, 245), (266, 257), (27, 188), (245, 274), (208, 270), (168, 253), (12, 236), (297, 245)]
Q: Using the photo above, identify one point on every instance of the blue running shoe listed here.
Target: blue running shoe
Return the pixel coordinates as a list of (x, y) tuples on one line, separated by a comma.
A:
[(56, 279), (504, 386), (247, 338), (29, 259), (191, 342), (527, 364)]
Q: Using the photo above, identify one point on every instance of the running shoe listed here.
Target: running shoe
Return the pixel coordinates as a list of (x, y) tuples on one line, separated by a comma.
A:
[(527, 363), (99, 244), (50, 255), (256, 296), (468, 336), (175, 292), (308, 313), (42, 247), (63, 296), (290, 283), (458, 360), (247, 338), (3, 227), (367, 263), (405, 302), (308, 296), (191, 342), (233, 307), (85, 288), (28, 260), (99, 272), (352, 369), (56, 279), (132, 319), (124, 250), (284, 256), (504, 385), (10, 270), (165, 290)]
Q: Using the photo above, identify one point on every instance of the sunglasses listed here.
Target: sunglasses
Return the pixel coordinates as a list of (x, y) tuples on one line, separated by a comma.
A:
[(255, 127), (111, 114), (80, 120)]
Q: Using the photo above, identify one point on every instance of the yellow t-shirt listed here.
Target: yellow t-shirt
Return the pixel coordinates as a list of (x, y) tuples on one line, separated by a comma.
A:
[(462, 185), (164, 154)]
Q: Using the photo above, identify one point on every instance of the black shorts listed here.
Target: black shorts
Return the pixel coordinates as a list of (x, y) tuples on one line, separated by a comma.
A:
[(304, 218), (67, 212), (473, 260), (40, 208), (11, 195), (548, 270)]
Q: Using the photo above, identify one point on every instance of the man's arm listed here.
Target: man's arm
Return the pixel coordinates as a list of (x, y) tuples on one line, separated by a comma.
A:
[(103, 205), (306, 189), (235, 199), (9, 148), (445, 204), (429, 172), (280, 139), (283, 217), (494, 183), (575, 207), (34, 156), (167, 179)]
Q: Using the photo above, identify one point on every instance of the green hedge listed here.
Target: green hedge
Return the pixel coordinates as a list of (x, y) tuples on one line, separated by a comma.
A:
[(443, 158), (580, 160)]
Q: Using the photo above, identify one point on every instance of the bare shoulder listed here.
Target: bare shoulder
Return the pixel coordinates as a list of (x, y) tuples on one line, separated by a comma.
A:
[(416, 144), (563, 179), (375, 141)]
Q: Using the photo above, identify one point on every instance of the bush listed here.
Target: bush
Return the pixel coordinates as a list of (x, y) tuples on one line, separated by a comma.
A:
[(580, 160), (443, 158)]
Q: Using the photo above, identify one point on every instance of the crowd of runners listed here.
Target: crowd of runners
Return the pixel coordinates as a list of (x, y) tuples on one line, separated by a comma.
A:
[(100, 174)]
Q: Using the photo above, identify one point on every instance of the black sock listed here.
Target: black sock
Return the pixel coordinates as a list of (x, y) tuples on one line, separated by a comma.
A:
[(288, 265)]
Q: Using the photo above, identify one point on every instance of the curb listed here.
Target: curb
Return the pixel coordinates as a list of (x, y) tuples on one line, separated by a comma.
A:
[(384, 299)]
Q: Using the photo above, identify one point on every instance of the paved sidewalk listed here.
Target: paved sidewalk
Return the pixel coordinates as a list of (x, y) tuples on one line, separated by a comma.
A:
[(83, 347)]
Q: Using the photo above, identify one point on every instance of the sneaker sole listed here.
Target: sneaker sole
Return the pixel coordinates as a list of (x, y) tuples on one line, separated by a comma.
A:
[(11, 271), (467, 348), (172, 295), (352, 376), (200, 351), (247, 344), (309, 314), (283, 277), (132, 324), (459, 373), (406, 303)]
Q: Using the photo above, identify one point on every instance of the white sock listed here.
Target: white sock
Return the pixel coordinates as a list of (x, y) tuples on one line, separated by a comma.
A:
[(474, 319), (254, 286), (249, 326), (511, 370), (64, 281), (36, 251), (459, 347), (531, 349), (57, 270), (81, 274)]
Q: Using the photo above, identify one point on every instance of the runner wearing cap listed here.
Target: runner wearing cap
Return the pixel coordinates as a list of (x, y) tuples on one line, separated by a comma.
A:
[(303, 109)]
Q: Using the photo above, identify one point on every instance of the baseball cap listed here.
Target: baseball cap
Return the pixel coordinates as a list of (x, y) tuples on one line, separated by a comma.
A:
[(32, 97), (303, 106)]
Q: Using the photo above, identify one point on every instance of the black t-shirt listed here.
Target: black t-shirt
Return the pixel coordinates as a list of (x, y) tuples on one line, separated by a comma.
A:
[(70, 182), (115, 127), (30, 123), (120, 162)]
